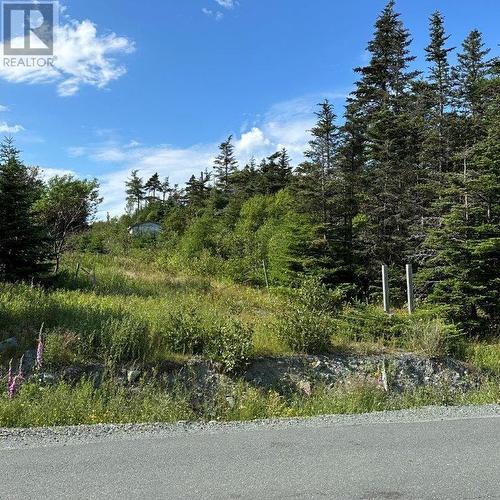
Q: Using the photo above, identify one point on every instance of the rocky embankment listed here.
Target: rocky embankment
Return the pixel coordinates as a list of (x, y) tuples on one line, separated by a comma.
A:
[(393, 372)]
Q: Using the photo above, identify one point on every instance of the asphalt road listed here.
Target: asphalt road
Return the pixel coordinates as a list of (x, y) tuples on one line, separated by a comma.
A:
[(454, 456)]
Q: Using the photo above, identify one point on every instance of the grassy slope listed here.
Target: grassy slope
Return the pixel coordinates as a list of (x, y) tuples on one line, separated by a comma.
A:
[(136, 300)]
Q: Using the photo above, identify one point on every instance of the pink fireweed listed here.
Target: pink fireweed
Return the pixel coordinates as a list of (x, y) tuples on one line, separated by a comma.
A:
[(13, 386), (15, 382)]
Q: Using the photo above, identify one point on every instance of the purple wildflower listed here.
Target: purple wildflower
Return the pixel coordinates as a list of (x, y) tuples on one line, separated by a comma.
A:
[(13, 386), (39, 351)]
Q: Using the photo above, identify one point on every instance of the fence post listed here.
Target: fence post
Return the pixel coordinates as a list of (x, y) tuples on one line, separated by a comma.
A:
[(385, 287), (409, 287)]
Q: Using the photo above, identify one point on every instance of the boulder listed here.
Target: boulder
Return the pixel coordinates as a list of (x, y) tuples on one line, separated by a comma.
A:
[(8, 345)]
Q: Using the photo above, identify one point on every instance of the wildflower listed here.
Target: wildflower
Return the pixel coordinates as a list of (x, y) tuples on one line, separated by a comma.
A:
[(39, 351), (10, 377), (13, 386), (15, 381)]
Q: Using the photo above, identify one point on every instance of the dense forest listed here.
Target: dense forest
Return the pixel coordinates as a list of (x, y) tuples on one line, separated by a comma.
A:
[(410, 173)]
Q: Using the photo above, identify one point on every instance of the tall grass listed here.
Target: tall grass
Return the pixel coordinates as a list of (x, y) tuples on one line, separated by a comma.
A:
[(86, 404)]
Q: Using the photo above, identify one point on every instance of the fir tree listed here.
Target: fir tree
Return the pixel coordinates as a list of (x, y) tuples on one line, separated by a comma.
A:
[(468, 74), (436, 144), (153, 185), (135, 190), (165, 188), (275, 172), (316, 175), (225, 164), (23, 245), (384, 102)]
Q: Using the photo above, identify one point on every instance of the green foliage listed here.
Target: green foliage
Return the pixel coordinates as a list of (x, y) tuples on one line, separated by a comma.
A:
[(306, 331), (84, 404), (23, 243)]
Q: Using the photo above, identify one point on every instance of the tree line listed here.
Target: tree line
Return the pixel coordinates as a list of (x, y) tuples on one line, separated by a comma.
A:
[(411, 175), (37, 217)]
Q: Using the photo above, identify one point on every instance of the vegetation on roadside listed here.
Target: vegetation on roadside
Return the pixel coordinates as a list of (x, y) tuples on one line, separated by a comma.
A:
[(272, 258), (109, 403)]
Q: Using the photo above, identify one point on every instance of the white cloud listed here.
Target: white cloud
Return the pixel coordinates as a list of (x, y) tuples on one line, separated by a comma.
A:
[(3, 108), (218, 16), (252, 141), (83, 57), (286, 124), (5, 128), (227, 4), (47, 173)]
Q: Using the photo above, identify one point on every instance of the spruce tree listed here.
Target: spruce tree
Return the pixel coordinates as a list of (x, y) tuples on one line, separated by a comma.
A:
[(153, 185), (469, 73), (165, 188), (464, 268), (315, 176), (384, 102), (135, 190), (23, 245), (225, 164), (436, 142), (275, 172)]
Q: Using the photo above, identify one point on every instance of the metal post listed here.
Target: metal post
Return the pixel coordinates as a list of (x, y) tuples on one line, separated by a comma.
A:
[(385, 287), (409, 288)]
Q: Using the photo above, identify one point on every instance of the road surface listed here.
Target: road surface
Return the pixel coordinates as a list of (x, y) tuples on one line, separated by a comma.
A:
[(433, 453)]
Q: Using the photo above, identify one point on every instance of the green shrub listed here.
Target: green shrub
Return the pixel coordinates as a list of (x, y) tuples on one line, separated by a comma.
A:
[(306, 331), (230, 342)]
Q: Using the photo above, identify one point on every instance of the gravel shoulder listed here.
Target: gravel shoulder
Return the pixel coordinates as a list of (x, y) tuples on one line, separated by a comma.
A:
[(75, 435)]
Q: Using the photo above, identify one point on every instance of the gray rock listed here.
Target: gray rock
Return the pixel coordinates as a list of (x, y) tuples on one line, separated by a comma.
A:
[(8, 345), (305, 387), (47, 378), (133, 376)]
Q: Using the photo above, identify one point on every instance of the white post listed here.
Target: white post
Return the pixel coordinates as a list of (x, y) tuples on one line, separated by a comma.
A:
[(385, 287), (409, 288)]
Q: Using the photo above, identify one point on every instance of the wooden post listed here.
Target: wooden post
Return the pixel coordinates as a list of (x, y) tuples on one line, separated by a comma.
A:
[(409, 288), (265, 273), (385, 288)]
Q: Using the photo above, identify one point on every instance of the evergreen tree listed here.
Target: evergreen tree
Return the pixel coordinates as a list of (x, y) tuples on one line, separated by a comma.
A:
[(153, 185), (275, 172), (225, 164), (469, 73), (385, 104), (198, 190), (246, 182), (165, 188), (135, 190), (385, 80), (315, 176), (23, 245), (436, 144), (465, 264)]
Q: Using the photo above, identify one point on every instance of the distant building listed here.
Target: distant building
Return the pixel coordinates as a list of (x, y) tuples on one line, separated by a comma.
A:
[(145, 229)]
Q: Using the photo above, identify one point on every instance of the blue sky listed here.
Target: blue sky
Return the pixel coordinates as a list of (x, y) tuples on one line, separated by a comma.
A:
[(157, 87)]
